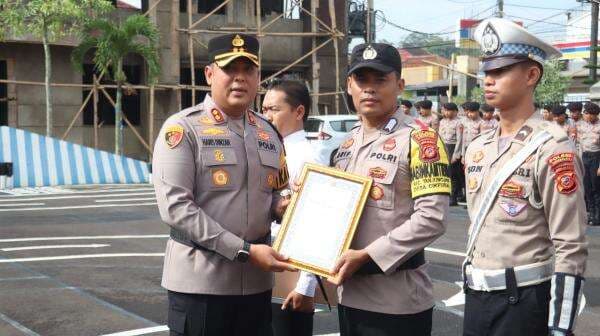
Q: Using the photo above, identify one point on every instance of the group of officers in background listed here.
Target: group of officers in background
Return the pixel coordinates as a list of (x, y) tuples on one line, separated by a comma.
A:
[(459, 126)]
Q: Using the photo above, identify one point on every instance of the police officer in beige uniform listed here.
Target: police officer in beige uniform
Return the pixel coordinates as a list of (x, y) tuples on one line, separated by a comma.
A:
[(451, 132), (385, 289), (526, 253), (589, 141), (488, 122), (218, 172), (426, 115)]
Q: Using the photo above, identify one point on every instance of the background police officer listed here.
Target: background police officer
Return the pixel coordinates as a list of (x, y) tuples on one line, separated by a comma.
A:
[(209, 161), (526, 253), (589, 141), (385, 289)]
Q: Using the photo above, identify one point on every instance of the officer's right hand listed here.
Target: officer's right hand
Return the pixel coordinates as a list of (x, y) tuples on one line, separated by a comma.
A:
[(267, 259)]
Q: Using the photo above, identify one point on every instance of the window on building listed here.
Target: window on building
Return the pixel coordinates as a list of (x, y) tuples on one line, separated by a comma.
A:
[(106, 112), (3, 95), (186, 78), (269, 7)]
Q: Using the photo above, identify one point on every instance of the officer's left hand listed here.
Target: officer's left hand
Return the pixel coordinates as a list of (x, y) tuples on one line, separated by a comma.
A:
[(299, 302), (348, 264)]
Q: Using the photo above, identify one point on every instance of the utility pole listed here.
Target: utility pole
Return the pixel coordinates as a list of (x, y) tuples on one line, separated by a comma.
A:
[(369, 11), (594, 43), (500, 8)]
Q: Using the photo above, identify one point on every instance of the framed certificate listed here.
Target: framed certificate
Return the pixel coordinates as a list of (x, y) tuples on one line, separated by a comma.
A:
[(320, 221)]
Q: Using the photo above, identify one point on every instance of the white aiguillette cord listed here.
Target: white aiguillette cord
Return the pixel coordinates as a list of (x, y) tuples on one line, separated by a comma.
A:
[(490, 193)]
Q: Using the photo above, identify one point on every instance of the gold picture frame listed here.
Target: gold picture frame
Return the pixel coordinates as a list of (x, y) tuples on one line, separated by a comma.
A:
[(336, 197)]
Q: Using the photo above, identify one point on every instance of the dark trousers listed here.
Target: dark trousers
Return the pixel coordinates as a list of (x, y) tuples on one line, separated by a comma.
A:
[(456, 175), (491, 314), (291, 323), (219, 315), (591, 182), (356, 322)]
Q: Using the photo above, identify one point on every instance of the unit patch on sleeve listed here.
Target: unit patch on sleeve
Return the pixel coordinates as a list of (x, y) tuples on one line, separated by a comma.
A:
[(564, 172), (173, 135), (428, 164), (283, 175)]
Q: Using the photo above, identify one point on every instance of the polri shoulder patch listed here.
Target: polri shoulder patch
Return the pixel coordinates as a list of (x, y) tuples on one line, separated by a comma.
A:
[(173, 135)]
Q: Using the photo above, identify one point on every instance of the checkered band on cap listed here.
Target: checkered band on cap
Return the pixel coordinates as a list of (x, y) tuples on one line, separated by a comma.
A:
[(521, 49)]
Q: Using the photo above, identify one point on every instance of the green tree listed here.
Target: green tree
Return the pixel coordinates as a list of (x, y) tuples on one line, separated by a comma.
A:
[(111, 42), (477, 94), (553, 86), (433, 44), (48, 20)]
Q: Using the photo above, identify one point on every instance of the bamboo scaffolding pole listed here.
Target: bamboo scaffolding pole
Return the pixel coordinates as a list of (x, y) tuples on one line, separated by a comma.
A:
[(337, 55), (199, 42), (297, 61), (259, 37), (87, 99), (317, 19), (135, 132), (191, 52), (151, 120), (152, 8), (216, 9), (95, 112)]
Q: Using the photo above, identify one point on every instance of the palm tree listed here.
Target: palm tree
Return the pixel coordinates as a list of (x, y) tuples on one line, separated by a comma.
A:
[(111, 43)]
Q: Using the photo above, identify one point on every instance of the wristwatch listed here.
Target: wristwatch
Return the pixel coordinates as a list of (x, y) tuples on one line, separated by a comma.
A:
[(243, 254)]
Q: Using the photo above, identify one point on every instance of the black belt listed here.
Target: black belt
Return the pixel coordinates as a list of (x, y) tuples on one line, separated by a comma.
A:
[(414, 262), (184, 239)]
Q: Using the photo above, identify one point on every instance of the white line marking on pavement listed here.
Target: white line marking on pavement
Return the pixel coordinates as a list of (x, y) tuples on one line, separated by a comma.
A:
[(457, 299), (43, 247), (126, 200), (143, 331), (442, 251), (14, 240), (83, 256), (47, 198), (24, 278), (19, 193), (79, 207), (18, 326), (6, 205)]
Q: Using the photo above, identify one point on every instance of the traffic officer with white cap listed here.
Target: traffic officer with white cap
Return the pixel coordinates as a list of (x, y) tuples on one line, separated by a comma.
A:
[(385, 288), (526, 253), (218, 171)]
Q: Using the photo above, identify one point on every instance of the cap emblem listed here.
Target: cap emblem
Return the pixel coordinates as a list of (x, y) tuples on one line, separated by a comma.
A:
[(369, 53), (490, 42), (237, 41)]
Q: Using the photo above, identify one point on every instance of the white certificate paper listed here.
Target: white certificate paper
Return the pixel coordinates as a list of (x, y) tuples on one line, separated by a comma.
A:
[(322, 219)]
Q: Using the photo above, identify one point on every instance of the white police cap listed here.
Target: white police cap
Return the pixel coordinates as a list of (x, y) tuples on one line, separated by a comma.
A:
[(504, 43)]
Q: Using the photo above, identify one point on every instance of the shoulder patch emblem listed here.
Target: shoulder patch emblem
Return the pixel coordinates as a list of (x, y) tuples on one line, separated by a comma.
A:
[(214, 131), (427, 141), (173, 135), (389, 145), (564, 172)]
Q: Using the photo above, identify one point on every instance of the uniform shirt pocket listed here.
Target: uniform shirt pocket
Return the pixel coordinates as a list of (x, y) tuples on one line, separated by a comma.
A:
[(218, 165), (270, 173), (382, 192), (513, 201)]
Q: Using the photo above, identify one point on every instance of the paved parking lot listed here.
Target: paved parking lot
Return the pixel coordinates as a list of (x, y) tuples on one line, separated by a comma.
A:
[(88, 261)]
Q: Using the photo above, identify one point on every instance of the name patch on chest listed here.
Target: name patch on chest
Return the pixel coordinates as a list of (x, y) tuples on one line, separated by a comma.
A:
[(216, 142)]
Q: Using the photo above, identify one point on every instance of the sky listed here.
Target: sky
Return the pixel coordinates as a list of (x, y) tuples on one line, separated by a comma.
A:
[(435, 16)]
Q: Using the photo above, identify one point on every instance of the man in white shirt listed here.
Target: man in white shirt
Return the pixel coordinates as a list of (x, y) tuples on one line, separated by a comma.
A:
[(286, 105)]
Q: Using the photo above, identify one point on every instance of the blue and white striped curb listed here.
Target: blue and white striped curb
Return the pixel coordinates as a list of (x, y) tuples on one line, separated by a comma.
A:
[(43, 161)]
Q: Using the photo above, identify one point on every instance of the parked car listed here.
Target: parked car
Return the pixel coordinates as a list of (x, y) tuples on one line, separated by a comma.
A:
[(327, 132)]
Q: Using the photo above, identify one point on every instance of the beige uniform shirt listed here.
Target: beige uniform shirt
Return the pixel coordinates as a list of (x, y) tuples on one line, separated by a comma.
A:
[(431, 121), (589, 136), (539, 212), (451, 131), (406, 211), (216, 180), (487, 125)]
